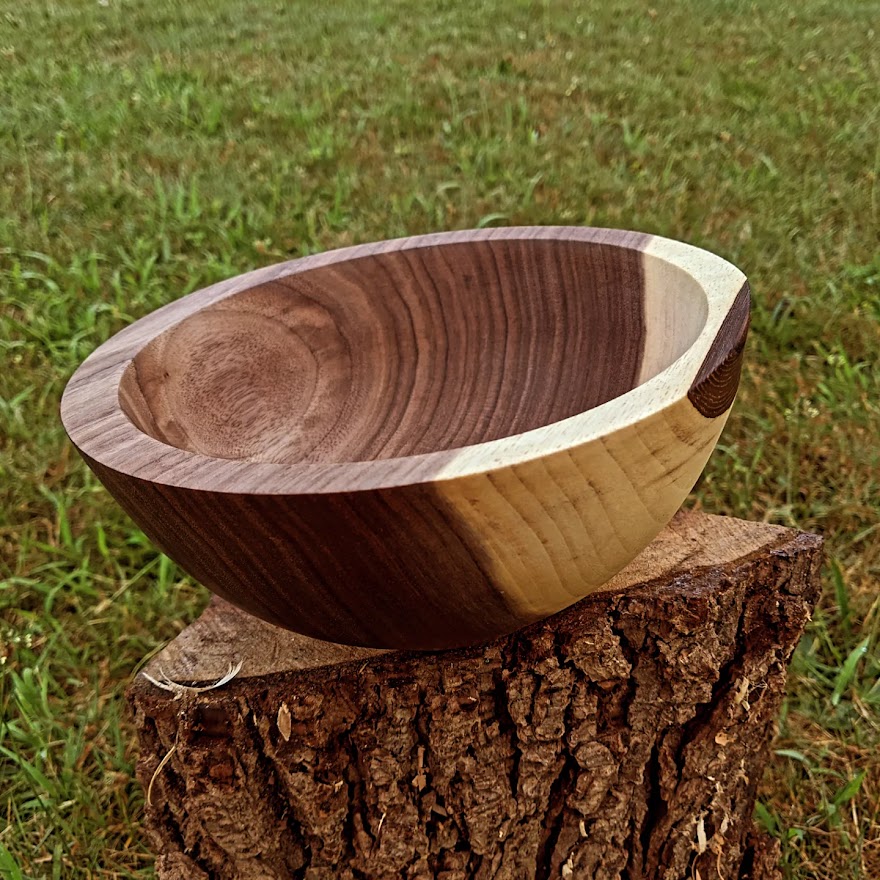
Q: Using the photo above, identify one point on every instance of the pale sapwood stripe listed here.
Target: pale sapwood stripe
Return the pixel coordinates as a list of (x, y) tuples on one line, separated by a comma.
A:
[(687, 291), (549, 540), (676, 310)]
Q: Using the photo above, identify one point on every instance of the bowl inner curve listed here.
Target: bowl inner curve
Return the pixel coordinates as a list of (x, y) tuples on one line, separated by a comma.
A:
[(410, 351)]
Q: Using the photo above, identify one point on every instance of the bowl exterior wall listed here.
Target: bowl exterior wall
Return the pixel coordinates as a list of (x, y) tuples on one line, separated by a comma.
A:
[(438, 564)]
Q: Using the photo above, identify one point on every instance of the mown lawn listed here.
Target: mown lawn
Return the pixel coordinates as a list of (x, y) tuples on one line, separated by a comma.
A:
[(148, 148)]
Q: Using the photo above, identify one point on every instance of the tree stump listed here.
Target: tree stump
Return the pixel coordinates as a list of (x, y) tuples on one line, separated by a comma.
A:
[(621, 738)]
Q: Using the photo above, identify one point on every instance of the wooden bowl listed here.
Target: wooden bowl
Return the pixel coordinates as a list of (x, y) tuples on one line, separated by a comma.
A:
[(425, 442)]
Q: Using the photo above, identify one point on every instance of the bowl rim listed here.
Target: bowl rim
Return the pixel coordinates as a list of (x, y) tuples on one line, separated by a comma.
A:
[(93, 417)]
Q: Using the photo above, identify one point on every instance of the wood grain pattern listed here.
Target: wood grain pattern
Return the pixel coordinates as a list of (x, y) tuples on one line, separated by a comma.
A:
[(714, 389), (396, 354), (475, 429)]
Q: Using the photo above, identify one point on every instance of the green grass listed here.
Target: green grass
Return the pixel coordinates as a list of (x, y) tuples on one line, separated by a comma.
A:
[(148, 148)]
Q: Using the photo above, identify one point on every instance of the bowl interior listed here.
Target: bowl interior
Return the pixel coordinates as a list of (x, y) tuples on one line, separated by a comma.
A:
[(410, 351)]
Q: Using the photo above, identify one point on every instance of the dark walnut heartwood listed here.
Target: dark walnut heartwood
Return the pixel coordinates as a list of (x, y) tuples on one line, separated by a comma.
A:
[(424, 442)]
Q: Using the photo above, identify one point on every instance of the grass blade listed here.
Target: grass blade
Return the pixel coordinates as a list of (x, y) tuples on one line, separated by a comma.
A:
[(848, 670)]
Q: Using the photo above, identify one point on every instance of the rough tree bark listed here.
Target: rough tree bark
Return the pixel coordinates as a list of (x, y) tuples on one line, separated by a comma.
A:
[(623, 738)]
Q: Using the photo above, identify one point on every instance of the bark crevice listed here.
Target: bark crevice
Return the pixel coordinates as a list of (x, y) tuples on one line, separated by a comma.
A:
[(621, 740)]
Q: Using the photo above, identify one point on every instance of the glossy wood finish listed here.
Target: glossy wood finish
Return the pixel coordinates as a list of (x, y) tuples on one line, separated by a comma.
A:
[(396, 354), (424, 442)]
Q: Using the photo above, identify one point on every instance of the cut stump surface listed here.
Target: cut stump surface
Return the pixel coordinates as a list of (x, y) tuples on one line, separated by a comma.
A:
[(622, 738)]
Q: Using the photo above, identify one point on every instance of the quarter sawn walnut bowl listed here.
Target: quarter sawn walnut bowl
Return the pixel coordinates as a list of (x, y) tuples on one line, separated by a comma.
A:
[(420, 443)]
